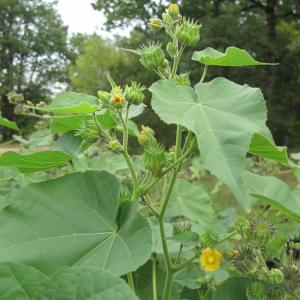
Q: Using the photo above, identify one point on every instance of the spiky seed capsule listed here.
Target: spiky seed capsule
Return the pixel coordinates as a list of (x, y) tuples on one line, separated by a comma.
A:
[(115, 146), (256, 291), (155, 158), (88, 132), (292, 278), (135, 93), (173, 10), (245, 260), (152, 56), (261, 231), (179, 228), (146, 137), (155, 23), (118, 101), (276, 275), (188, 32), (183, 79)]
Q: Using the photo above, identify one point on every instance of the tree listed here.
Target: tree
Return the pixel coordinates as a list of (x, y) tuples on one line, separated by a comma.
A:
[(262, 27), (33, 50)]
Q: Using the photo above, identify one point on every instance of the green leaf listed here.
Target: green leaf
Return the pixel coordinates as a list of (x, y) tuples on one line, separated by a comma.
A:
[(62, 124), (263, 147), (71, 102), (87, 283), (20, 282), (9, 124), (186, 239), (68, 143), (233, 288), (233, 57), (38, 161), (273, 191), (74, 220), (223, 115), (24, 282), (191, 201)]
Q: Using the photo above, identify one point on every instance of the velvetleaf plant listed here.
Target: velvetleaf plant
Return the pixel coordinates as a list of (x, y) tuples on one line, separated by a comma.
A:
[(73, 236)]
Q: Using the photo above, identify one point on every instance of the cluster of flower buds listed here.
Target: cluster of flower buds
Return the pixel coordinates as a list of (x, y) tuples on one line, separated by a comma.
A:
[(147, 137), (15, 98), (115, 146), (134, 93)]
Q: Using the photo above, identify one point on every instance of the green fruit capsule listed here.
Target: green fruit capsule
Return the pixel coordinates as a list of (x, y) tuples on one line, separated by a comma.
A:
[(134, 93), (256, 291), (188, 32), (155, 158), (152, 56)]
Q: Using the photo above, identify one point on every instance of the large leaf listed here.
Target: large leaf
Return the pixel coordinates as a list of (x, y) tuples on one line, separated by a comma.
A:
[(233, 288), (26, 283), (273, 191), (223, 115), (71, 102), (263, 147), (191, 201), (69, 143), (38, 161), (20, 282), (74, 220), (9, 124), (233, 57)]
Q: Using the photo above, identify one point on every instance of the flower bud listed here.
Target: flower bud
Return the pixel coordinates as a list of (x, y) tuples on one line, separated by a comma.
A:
[(146, 137), (134, 93), (166, 18), (155, 23), (209, 239), (152, 56), (276, 276), (256, 291), (242, 225), (183, 79), (118, 101), (171, 49), (244, 259), (104, 97), (179, 228), (15, 98), (115, 146), (173, 10), (188, 32), (155, 158)]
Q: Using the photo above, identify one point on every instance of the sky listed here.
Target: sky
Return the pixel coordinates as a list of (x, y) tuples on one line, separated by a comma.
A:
[(81, 17)]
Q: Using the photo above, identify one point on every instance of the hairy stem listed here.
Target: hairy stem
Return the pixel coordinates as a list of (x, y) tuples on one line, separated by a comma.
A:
[(204, 74), (130, 281), (154, 286)]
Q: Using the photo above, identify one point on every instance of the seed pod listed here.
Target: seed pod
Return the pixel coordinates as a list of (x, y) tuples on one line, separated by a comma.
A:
[(152, 56), (256, 291), (155, 23), (275, 275), (261, 231), (179, 228), (291, 278), (188, 32), (155, 158), (183, 79), (89, 132), (134, 93), (173, 10), (245, 260)]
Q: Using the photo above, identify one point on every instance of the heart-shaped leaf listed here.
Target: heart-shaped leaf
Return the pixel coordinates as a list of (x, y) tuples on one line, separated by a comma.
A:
[(74, 220), (38, 161), (24, 282), (263, 147), (223, 115), (232, 57), (273, 191), (9, 124), (71, 102)]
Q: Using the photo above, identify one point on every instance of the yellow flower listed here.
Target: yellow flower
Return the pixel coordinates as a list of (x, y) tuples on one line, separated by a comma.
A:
[(173, 10), (210, 259)]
